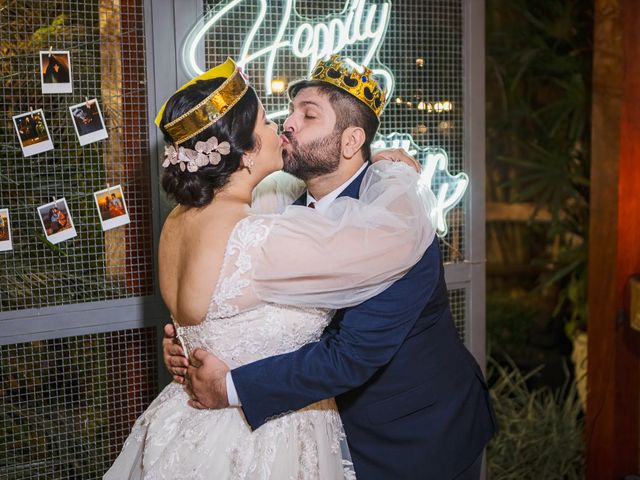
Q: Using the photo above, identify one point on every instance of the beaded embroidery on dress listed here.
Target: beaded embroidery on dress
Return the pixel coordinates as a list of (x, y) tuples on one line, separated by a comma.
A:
[(171, 440)]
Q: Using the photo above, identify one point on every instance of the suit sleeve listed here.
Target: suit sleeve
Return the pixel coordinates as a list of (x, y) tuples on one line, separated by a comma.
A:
[(368, 337)]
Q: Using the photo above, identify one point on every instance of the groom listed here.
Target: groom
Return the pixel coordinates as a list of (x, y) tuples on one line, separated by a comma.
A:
[(412, 398)]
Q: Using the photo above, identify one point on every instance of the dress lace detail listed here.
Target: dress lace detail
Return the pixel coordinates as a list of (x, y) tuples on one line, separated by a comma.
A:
[(246, 234), (171, 440)]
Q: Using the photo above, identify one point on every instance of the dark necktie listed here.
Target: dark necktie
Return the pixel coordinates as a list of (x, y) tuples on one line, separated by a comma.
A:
[(312, 205)]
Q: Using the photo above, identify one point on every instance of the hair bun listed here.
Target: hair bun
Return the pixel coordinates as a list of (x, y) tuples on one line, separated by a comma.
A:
[(191, 189)]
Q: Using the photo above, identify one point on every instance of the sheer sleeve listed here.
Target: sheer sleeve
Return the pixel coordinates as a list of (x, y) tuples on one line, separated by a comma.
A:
[(353, 251), (276, 192)]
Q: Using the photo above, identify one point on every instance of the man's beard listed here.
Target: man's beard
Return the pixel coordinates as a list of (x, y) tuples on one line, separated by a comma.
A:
[(316, 158)]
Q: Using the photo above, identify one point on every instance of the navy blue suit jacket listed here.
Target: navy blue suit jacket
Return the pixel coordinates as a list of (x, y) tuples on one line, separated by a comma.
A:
[(412, 399)]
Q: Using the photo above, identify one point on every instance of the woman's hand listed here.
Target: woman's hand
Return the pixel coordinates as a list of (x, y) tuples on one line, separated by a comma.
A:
[(396, 155)]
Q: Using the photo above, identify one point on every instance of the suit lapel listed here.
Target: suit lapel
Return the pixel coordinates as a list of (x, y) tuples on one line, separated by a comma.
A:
[(352, 190), (302, 200)]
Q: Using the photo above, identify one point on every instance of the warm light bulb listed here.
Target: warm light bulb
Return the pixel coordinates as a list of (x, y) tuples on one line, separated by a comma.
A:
[(420, 62), (278, 85), (422, 106)]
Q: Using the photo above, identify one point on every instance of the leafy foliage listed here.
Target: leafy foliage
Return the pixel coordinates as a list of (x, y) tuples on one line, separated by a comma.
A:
[(540, 432), (538, 119)]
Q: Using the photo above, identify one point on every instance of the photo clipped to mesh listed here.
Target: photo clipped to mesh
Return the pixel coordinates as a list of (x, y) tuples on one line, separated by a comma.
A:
[(88, 122), (33, 132), (111, 207), (56, 221), (5, 231), (55, 71)]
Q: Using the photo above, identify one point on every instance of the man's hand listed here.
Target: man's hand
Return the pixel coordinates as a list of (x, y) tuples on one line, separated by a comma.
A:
[(396, 155), (173, 354), (207, 381)]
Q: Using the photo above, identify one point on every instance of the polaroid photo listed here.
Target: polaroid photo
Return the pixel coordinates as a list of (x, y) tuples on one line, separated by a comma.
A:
[(56, 221), (111, 207), (5, 231), (88, 122), (33, 132), (55, 71)]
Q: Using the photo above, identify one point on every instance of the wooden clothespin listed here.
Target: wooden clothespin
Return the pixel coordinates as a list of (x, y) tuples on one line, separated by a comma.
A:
[(50, 50)]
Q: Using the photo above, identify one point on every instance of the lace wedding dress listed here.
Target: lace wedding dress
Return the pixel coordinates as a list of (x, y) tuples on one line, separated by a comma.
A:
[(281, 276)]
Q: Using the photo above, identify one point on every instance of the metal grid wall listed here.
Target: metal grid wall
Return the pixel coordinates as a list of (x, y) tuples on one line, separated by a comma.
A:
[(431, 30), (458, 302), (106, 44), (67, 405)]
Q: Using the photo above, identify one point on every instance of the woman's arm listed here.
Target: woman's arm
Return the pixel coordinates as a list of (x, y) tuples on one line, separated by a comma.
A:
[(276, 192), (353, 251)]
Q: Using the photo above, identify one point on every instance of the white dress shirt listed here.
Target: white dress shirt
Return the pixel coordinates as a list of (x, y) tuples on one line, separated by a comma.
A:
[(321, 206)]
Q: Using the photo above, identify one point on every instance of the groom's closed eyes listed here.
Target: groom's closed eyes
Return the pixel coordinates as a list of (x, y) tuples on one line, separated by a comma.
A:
[(309, 109)]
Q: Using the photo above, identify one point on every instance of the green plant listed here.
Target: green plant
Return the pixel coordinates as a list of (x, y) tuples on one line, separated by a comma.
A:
[(540, 431), (510, 319), (539, 71)]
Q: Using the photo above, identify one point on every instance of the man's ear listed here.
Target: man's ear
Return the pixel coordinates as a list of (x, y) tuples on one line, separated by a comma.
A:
[(353, 139)]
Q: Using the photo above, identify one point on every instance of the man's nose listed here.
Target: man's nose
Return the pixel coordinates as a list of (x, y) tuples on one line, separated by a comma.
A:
[(289, 124)]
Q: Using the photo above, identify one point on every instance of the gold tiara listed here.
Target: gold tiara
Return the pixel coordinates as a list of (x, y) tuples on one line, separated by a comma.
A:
[(359, 84), (212, 108)]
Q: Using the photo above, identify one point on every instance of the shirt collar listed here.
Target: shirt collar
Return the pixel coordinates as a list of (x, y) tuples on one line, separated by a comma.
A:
[(325, 201)]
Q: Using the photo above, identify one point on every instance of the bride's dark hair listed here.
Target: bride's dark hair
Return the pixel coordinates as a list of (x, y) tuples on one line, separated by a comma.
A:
[(196, 189)]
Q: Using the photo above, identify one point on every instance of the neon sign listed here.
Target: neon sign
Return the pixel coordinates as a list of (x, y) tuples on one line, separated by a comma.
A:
[(360, 24), (448, 189)]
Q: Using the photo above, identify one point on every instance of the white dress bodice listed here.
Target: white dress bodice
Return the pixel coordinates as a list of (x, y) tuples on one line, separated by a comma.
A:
[(239, 328)]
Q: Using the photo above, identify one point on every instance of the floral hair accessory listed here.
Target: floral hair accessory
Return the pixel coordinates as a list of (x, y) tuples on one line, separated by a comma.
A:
[(209, 152)]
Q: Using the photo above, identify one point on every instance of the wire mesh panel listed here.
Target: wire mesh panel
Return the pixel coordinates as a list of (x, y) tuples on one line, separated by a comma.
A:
[(458, 302), (422, 47), (105, 41), (66, 405)]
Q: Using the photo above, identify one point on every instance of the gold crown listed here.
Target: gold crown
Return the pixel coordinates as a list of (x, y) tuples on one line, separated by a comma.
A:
[(212, 108), (359, 84)]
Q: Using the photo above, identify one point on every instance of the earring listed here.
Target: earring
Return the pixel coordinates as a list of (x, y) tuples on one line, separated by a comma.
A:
[(251, 163)]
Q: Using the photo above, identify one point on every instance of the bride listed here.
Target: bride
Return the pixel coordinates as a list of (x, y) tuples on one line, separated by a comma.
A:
[(224, 273)]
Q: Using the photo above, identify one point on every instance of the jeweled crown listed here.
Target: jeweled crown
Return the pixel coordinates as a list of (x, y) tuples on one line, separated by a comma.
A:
[(360, 84)]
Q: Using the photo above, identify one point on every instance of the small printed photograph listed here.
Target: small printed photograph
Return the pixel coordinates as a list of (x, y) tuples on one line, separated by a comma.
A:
[(55, 72), (88, 122), (56, 221), (111, 207), (33, 132), (5, 231)]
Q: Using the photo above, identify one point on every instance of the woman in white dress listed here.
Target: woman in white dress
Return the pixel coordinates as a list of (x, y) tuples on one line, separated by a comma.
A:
[(247, 285)]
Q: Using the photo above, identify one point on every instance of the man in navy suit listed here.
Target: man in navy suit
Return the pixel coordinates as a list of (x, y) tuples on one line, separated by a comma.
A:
[(413, 400)]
